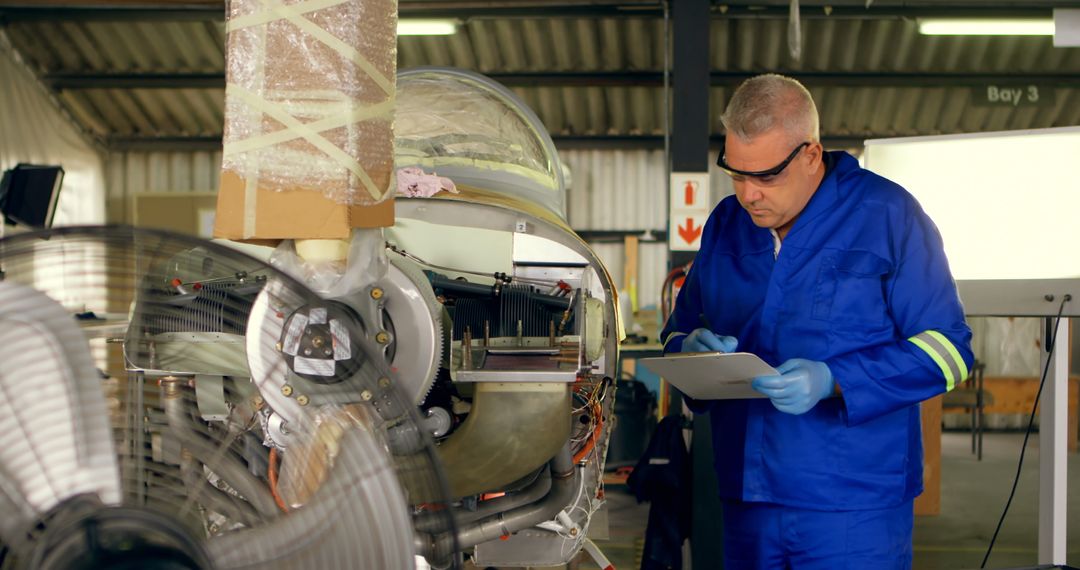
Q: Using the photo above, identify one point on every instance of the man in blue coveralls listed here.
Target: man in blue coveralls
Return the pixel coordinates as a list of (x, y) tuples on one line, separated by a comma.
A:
[(836, 277)]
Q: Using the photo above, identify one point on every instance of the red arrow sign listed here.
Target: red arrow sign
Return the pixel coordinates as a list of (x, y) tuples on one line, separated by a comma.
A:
[(689, 193), (690, 233)]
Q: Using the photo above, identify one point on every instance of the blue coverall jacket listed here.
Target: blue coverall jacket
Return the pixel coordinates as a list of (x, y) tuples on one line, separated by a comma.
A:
[(861, 283)]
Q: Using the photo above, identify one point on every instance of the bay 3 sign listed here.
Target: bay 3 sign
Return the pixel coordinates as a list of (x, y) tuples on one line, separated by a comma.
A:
[(1013, 95)]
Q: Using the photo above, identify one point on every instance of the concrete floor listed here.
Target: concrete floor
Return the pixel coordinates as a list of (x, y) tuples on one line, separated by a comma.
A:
[(973, 495)]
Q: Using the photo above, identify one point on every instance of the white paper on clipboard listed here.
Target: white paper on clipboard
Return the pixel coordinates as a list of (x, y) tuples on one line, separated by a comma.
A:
[(711, 375)]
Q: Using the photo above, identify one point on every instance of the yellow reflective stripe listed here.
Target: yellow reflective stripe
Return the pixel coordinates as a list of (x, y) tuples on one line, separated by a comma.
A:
[(944, 354), (950, 382), (672, 337), (955, 354)]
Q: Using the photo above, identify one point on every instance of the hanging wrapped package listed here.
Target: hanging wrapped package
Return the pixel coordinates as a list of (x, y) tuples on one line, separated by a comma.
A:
[(308, 149)]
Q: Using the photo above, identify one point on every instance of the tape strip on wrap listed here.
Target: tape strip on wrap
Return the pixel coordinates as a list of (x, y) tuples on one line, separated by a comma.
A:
[(261, 101)]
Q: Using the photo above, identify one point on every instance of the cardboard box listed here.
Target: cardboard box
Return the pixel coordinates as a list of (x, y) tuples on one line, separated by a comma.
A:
[(308, 150), (190, 213), (291, 214)]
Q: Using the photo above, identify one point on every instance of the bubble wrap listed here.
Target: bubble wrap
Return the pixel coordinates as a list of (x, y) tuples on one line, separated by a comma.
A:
[(310, 94)]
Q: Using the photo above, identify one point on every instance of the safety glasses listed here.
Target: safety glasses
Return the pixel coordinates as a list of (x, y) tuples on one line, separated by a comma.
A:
[(768, 173)]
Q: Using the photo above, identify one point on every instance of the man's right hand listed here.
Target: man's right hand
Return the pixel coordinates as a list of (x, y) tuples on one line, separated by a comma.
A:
[(704, 340)]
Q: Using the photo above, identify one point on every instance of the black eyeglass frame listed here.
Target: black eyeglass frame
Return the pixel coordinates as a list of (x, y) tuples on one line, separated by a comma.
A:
[(758, 173)]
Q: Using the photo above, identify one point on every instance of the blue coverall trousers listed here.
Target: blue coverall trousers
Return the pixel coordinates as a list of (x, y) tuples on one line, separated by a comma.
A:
[(765, 536)]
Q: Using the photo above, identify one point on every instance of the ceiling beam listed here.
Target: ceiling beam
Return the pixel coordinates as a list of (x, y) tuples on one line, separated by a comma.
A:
[(608, 142), (656, 142), (180, 10), (888, 10), (619, 236), (810, 79), (109, 4), (755, 9), (163, 143), (1066, 78), (112, 10), (79, 80)]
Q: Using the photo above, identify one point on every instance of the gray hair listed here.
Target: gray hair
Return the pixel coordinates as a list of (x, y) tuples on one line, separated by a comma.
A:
[(765, 102)]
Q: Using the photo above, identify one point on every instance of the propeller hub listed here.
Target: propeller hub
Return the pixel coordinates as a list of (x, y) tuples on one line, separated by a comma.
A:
[(321, 343)]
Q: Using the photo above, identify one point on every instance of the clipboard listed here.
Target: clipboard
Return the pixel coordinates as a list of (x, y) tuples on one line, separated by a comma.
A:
[(711, 375)]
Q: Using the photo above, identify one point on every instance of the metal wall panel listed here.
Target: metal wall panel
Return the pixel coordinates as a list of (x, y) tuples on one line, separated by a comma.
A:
[(34, 130), (616, 189), (621, 190), (652, 268), (627, 190), (128, 173)]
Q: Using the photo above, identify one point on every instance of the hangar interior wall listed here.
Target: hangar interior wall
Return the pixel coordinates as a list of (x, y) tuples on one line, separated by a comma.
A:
[(34, 130), (608, 190)]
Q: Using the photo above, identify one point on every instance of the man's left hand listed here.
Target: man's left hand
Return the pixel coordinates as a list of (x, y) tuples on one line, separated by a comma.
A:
[(799, 387)]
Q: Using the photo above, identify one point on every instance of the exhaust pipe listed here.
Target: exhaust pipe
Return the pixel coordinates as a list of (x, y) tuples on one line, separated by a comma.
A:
[(565, 480)]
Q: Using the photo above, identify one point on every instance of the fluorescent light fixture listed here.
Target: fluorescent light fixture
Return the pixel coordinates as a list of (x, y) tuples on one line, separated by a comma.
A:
[(986, 27), (426, 27)]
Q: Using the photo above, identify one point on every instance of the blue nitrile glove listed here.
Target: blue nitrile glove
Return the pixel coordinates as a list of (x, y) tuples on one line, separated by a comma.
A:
[(800, 386), (704, 340)]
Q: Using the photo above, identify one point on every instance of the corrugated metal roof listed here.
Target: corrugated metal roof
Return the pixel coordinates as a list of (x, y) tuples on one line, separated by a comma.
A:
[(881, 77), (153, 112), (121, 46)]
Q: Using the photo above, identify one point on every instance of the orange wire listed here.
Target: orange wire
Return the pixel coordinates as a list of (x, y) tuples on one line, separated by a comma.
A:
[(272, 475), (591, 442)]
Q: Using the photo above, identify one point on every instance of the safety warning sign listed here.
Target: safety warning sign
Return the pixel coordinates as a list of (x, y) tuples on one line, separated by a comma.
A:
[(688, 211)]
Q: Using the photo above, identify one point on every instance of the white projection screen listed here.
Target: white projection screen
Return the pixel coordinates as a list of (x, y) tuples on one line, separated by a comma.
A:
[(1008, 207)]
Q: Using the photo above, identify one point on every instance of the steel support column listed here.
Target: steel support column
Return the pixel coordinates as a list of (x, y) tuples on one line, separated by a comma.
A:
[(689, 150), (1053, 445)]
